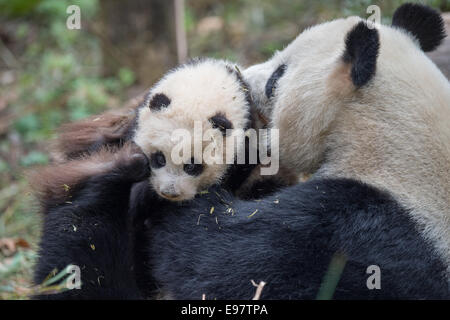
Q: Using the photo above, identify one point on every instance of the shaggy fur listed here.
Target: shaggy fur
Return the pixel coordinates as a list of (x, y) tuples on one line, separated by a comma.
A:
[(380, 196), (94, 231), (209, 92), (205, 90), (56, 184), (286, 240), (89, 135), (272, 82), (220, 122), (361, 51), (422, 22), (392, 132)]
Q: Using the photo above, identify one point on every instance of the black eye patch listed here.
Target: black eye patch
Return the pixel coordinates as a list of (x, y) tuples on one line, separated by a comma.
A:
[(271, 84), (219, 121), (193, 169), (159, 101), (157, 160)]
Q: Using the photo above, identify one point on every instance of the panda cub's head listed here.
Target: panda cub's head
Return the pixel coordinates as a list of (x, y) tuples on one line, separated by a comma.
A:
[(185, 123)]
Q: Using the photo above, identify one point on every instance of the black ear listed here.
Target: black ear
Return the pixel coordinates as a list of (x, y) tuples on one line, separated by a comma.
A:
[(159, 101), (424, 23), (361, 51), (220, 122), (271, 84)]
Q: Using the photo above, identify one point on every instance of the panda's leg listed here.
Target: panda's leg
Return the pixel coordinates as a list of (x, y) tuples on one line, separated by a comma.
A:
[(93, 231)]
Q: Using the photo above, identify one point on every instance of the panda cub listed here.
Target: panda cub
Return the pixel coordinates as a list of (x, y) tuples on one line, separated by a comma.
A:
[(184, 125), (216, 244), (206, 101), (134, 143)]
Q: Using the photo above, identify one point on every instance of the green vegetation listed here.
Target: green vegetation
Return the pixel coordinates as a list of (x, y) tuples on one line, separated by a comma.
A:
[(56, 77)]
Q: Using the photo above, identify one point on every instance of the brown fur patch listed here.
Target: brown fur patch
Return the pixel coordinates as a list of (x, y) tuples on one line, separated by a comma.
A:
[(339, 82), (89, 135)]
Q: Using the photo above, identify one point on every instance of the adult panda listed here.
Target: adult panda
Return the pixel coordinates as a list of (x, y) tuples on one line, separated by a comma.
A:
[(216, 244), (366, 112), (372, 108)]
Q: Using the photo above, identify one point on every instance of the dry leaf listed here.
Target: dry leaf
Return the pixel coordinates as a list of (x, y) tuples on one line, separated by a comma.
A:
[(9, 246)]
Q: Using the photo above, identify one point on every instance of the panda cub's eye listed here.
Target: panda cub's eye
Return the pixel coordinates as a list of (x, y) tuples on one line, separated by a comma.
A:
[(220, 121), (157, 160), (193, 169)]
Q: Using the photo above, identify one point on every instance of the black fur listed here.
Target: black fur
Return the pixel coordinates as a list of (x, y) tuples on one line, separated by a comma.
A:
[(262, 188), (159, 102), (361, 51), (157, 160), (287, 240), (271, 84), (237, 174), (289, 243), (95, 232), (193, 169), (221, 122), (423, 22)]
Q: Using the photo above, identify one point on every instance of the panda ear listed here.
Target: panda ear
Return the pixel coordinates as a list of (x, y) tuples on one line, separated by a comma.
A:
[(220, 122), (159, 101), (271, 84), (361, 52), (424, 23)]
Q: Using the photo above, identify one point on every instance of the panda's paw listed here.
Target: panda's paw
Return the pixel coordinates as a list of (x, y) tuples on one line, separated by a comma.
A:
[(132, 164)]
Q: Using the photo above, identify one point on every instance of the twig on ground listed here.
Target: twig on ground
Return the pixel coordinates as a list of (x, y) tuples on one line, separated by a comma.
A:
[(259, 288)]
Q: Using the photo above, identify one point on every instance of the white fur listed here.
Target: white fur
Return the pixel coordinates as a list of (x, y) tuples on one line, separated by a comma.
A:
[(197, 92), (393, 133)]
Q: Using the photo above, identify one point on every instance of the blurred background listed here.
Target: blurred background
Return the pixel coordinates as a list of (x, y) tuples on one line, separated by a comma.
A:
[(50, 75)]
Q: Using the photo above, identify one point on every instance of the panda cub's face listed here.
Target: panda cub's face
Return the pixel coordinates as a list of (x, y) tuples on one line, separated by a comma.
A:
[(189, 110)]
